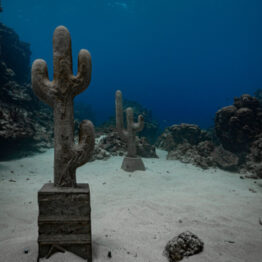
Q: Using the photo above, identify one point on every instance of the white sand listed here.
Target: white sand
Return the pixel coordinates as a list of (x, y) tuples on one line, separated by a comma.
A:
[(134, 215)]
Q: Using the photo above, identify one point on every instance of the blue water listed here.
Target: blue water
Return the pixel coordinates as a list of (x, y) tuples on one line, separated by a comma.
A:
[(183, 59)]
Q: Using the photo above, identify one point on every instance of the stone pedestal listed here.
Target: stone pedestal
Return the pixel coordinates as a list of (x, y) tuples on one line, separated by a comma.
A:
[(131, 164), (64, 221)]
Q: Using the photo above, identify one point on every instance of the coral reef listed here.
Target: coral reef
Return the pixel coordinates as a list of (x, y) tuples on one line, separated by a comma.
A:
[(25, 123), (59, 95), (238, 125), (184, 245), (239, 129), (189, 144), (236, 144), (179, 134)]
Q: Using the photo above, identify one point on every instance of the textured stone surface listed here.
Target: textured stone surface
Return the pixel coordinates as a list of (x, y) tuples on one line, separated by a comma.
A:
[(184, 245), (239, 130), (189, 144), (64, 220), (225, 159), (238, 125), (181, 134), (254, 157)]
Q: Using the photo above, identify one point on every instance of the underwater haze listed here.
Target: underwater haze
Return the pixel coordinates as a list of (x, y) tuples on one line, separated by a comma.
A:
[(184, 59)]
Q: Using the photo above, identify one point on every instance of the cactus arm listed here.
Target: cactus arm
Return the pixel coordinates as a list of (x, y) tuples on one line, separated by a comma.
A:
[(41, 85), (137, 127), (79, 154), (83, 150), (81, 81)]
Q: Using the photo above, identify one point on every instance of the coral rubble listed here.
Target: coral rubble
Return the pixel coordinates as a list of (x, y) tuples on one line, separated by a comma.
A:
[(184, 245)]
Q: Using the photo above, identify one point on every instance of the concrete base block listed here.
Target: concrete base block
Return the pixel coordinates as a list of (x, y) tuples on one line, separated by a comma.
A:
[(64, 221), (131, 164)]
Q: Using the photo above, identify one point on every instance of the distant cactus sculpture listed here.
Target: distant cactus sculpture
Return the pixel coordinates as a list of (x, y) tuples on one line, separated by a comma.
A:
[(131, 162), (59, 94)]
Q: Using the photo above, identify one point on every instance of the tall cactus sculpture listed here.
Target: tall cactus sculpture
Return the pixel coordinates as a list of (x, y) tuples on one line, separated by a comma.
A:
[(131, 162), (64, 219), (59, 95)]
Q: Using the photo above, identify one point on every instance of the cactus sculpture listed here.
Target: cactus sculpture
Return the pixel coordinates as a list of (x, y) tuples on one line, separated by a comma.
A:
[(131, 162), (59, 95)]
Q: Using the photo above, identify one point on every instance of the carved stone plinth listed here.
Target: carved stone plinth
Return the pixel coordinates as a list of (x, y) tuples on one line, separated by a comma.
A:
[(64, 221), (131, 164)]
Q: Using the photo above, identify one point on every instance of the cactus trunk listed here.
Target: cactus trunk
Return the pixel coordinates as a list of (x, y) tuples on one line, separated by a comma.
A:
[(64, 138)]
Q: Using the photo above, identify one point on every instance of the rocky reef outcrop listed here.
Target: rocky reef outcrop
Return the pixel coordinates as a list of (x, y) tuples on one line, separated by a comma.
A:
[(189, 144), (238, 125), (24, 122), (181, 134), (239, 129), (235, 144)]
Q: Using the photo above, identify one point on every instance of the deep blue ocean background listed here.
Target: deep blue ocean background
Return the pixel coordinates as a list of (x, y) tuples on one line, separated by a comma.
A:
[(184, 59)]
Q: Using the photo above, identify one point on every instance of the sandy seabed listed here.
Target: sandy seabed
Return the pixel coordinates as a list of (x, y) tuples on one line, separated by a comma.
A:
[(135, 214)]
